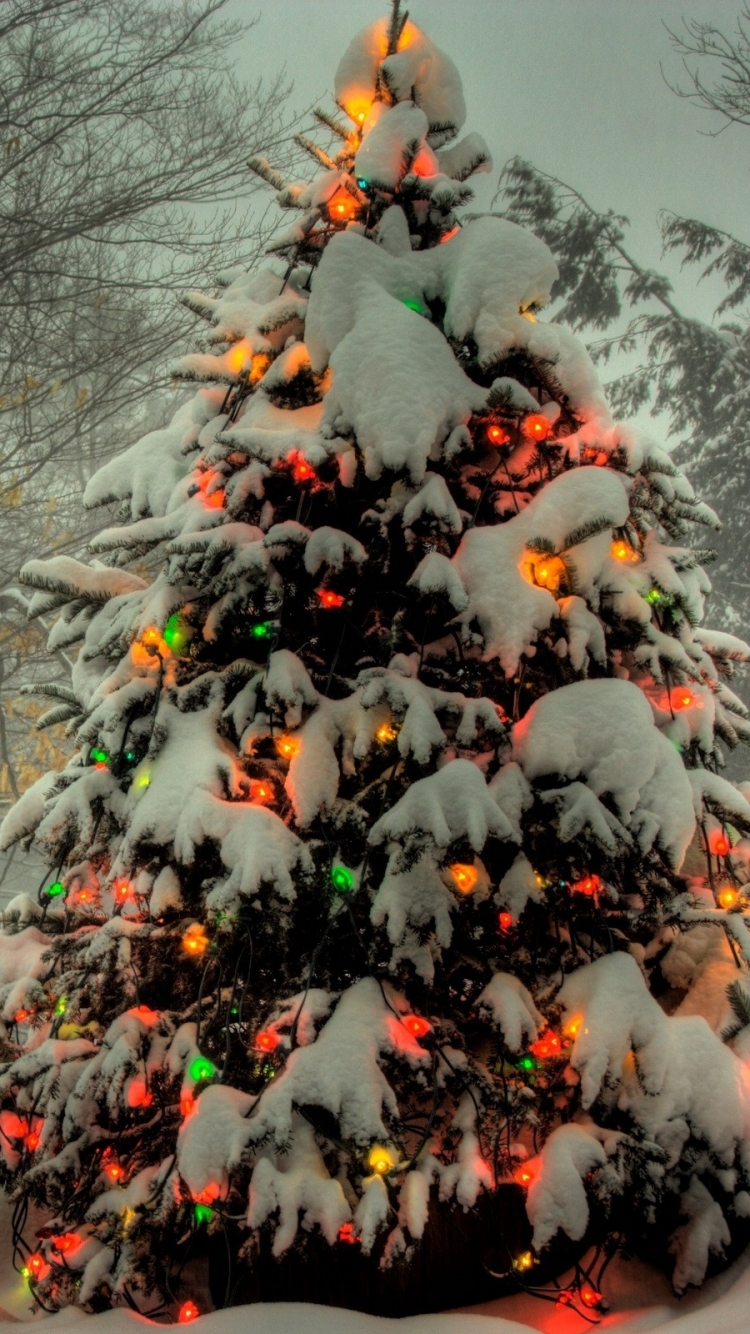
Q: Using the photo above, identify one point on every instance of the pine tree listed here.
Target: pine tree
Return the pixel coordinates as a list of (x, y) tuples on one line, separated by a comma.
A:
[(394, 722)]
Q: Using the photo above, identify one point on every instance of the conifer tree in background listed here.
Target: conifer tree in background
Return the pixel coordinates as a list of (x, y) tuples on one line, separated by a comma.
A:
[(394, 723)]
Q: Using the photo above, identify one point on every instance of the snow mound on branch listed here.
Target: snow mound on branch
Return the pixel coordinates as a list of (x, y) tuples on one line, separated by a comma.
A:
[(557, 1197), (293, 1184), (603, 732), (512, 1009), (394, 138), (340, 1071), (509, 610), (70, 578), (452, 804), (417, 69)]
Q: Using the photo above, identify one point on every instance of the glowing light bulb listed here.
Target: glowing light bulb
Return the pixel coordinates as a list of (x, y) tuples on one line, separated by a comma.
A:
[(100, 757), (203, 1213), (201, 1068), (589, 885), (589, 1296), (547, 1045), (496, 435), (536, 426), (122, 890), (32, 1141), (261, 630), (525, 1173), (65, 1242), (195, 940), (342, 879), (386, 732), (54, 891), (526, 1063), (188, 1312), (114, 1171), (261, 792), (464, 876), (381, 1160), (622, 551), (266, 1040), (347, 1234), (61, 1006), (523, 1262), (653, 596), (342, 206), (448, 236), (680, 697), (505, 921), (187, 1104), (303, 471), (728, 897), (549, 572), (573, 1026), (416, 1025), (288, 746), (21, 1016), (330, 599), (151, 637), (35, 1263), (177, 634), (718, 843), (141, 780)]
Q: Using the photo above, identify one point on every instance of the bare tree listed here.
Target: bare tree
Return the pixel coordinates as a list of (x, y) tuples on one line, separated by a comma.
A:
[(124, 137)]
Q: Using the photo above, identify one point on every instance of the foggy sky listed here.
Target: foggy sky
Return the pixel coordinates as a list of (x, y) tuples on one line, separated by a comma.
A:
[(573, 85)]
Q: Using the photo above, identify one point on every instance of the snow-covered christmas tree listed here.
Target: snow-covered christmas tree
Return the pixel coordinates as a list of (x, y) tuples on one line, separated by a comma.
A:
[(368, 907)]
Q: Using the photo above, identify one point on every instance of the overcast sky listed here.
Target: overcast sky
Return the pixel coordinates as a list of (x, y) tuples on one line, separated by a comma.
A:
[(573, 85)]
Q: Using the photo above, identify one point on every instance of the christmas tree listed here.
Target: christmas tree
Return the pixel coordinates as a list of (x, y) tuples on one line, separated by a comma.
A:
[(368, 903)]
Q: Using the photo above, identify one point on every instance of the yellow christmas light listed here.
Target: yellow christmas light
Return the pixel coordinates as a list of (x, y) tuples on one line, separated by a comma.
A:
[(381, 1160), (728, 897), (386, 732), (622, 551), (288, 746), (465, 876)]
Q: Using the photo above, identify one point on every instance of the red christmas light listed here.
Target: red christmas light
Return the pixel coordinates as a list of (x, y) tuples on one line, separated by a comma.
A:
[(329, 599), (187, 1104), (536, 426), (303, 471), (188, 1311), (122, 891), (547, 1045), (496, 435), (266, 1040), (138, 1094), (32, 1141), (504, 921), (21, 1016), (347, 1234), (525, 1173), (718, 844), (448, 236), (114, 1171), (589, 1296), (589, 885), (416, 1025), (35, 1263), (65, 1242)]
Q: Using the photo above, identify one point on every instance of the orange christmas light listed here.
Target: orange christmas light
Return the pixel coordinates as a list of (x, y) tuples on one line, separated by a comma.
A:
[(329, 599), (266, 1040), (416, 1025), (122, 890), (536, 426), (622, 551), (386, 732), (302, 471), (728, 897), (342, 207), (114, 1171), (573, 1026), (525, 1173), (195, 940), (151, 638), (261, 792), (465, 876), (496, 435), (288, 746), (546, 572)]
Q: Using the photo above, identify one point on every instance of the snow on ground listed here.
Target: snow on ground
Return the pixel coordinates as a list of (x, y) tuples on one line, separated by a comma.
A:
[(640, 1298)]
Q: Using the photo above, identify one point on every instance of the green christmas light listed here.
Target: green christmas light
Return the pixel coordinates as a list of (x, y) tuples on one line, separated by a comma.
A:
[(362, 184), (61, 1006), (25, 1271), (411, 303), (261, 631), (98, 756), (203, 1213), (653, 596), (54, 891), (527, 1063), (201, 1068), (129, 757), (342, 879), (176, 634)]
